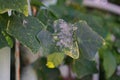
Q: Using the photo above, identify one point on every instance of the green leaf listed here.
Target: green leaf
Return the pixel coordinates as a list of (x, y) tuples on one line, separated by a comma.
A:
[(3, 21), (109, 62), (114, 77), (117, 43), (46, 42), (3, 24), (78, 1), (47, 17), (117, 57), (8, 39), (83, 67), (25, 30), (18, 5), (36, 3), (95, 22), (89, 41), (54, 59), (5, 39)]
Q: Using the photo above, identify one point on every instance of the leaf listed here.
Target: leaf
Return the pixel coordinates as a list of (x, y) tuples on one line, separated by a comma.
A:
[(18, 5), (66, 39), (25, 30), (72, 11), (89, 41), (36, 3), (114, 77), (74, 52), (117, 43), (117, 57), (78, 1), (46, 42), (95, 22), (44, 72), (83, 67), (109, 62), (5, 39), (3, 25), (47, 17), (54, 59), (8, 39)]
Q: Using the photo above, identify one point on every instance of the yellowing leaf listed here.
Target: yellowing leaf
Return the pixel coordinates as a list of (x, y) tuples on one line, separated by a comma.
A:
[(55, 59), (73, 52)]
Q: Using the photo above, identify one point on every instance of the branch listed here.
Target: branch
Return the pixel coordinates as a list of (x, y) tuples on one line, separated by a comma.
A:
[(102, 5), (17, 60)]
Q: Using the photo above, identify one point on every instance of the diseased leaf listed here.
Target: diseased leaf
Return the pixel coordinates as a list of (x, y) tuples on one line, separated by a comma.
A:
[(73, 52), (54, 59), (83, 67), (25, 29), (89, 41), (18, 5), (66, 38)]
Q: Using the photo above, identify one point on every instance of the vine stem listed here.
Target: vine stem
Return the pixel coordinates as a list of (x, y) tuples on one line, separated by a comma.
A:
[(96, 75), (17, 59), (102, 5), (29, 8)]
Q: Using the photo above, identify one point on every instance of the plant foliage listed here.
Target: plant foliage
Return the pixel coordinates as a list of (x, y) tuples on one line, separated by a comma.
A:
[(61, 31)]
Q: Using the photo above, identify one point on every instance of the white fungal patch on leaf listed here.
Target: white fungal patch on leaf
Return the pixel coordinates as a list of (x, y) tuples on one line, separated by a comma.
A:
[(66, 40), (64, 32)]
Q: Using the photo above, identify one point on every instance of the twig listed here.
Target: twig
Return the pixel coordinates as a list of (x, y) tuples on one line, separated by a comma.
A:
[(102, 5), (17, 60)]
